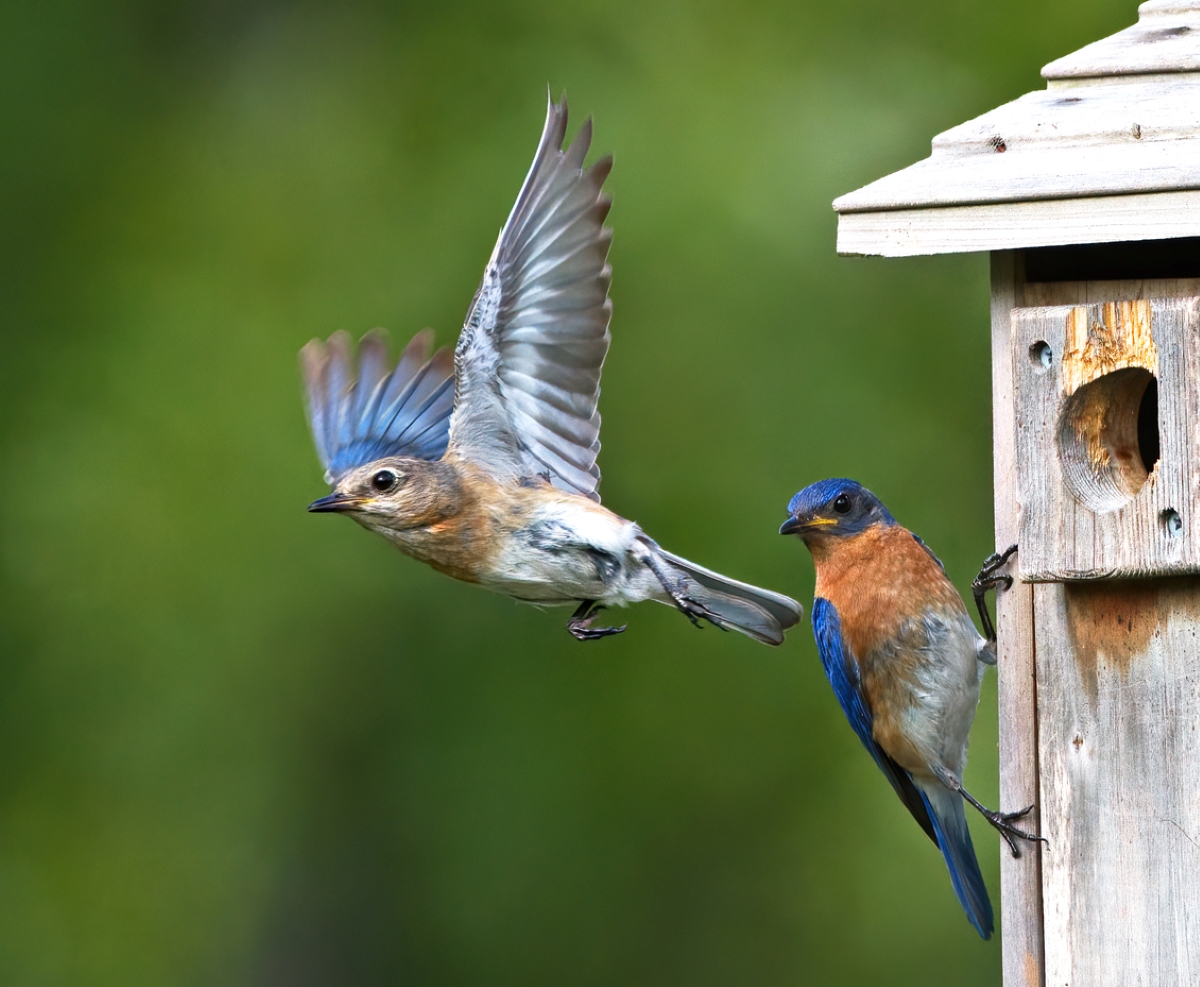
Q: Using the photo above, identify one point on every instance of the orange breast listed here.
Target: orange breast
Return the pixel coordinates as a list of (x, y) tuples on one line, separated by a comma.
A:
[(878, 581)]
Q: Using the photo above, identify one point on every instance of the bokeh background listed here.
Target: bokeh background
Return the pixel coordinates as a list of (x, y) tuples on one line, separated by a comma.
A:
[(240, 744)]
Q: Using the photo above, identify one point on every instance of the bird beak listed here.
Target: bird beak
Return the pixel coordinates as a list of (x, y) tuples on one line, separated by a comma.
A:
[(798, 525), (335, 503)]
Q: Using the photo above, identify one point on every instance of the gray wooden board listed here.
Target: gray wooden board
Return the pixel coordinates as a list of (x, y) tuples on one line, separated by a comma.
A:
[(1155, 43), (1104, 139), (1012, 225), (1020, 877), (1118, 694), (1062, 537)]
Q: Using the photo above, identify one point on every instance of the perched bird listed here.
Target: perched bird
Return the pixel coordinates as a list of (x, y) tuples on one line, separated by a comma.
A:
[(489, 475), (905, 663)]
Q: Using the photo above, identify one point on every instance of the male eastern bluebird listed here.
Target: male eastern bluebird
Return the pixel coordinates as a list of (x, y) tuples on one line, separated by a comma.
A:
[(494, 480), (905, 663)]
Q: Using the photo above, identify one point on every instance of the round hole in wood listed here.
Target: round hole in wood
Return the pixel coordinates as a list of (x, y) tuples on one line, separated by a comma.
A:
[(1108, 438), (1172, 523)]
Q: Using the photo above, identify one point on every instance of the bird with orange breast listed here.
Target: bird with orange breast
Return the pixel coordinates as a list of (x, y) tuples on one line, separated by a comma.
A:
[(485, 467), (905, 663)]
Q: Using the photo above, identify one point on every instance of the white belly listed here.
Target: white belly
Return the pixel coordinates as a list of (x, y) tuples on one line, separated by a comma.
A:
[(572, 551)]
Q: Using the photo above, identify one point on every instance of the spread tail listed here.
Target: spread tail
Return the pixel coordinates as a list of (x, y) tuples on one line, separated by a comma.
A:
[(758, 613), (954, 840)]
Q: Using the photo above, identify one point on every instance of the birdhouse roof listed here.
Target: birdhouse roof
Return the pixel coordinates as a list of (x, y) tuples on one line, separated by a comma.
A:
[(1109, 150)]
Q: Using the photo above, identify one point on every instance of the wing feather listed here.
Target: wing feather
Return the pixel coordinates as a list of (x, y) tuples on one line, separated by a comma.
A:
[(364, 413), (843, 676), (528, 362)]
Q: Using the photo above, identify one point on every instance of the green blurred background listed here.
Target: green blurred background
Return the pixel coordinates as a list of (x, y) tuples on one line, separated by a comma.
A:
[(240, 744)]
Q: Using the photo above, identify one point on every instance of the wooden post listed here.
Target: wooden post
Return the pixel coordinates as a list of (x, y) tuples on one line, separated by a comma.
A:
[(1021, 877)]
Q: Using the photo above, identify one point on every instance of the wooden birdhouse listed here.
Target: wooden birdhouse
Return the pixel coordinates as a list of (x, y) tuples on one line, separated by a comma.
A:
[(1087, 196)]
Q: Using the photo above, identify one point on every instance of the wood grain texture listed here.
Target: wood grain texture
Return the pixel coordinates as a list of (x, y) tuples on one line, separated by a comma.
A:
[(1080, 518), (1155, 43), (1013, 225), (1141, 136), (1118, 673), (1020, 878)]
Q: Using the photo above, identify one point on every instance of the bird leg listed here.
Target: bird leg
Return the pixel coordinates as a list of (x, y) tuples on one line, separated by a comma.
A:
[(580, 624), (987, 579), (692, 609), (1002, 821)]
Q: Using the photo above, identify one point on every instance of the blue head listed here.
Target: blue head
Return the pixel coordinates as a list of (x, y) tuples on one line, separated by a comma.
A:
[(834, 509)]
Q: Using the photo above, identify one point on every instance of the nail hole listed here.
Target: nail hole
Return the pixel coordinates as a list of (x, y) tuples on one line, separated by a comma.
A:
[(1172, 523), (1108, 438), (1041, 356)]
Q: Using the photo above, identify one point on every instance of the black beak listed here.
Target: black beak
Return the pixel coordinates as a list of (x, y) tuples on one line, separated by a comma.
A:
[(789, 527), (335, 503)]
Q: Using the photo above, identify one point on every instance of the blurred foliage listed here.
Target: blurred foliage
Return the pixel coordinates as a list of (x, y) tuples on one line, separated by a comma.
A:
[(245, 745)]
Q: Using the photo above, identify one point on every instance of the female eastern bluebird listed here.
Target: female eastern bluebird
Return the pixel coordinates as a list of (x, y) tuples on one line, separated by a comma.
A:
[(493, 480), (905, 663)]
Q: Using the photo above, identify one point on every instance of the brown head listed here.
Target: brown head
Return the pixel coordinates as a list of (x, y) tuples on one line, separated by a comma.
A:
[(396, 494)]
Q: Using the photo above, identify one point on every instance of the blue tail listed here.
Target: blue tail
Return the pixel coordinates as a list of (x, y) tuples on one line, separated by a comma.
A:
[(954, 840)]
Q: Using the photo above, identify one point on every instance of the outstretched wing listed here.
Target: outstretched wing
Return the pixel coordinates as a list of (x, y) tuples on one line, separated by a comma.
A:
[(843, 676), (528, 361), (357, 418)]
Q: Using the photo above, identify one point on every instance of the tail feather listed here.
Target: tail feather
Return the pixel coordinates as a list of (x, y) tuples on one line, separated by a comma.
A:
[(758, 613), (954, 840)]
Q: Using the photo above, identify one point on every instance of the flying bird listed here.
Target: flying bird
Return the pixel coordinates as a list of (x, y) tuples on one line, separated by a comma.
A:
[(905, 663), (485, 467)]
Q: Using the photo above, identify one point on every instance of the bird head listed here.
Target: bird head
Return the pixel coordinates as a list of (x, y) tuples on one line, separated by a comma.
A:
[(396, 494), (833, 509)]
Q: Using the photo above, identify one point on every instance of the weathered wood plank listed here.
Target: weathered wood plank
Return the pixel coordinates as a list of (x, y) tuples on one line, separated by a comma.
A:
[(1047, 145), (1020, 878), (1098, 292), (1118, 693), (1155, 43), (1090, 509), (1012, 225)]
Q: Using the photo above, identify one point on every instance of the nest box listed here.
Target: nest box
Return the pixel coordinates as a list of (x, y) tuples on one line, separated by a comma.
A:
[(1087, 196)]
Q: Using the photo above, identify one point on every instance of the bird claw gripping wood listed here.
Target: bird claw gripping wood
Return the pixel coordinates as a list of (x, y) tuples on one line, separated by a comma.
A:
[(988, 579), (580, 623), (1003, 823)]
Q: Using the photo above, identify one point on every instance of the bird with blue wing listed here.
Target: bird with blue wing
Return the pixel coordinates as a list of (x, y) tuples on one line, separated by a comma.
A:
[(484, 466), (906, 664)]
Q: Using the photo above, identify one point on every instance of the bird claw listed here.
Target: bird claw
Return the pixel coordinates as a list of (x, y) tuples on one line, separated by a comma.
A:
[(580, 622), (695, 611), (1002, 821), (988, 579)]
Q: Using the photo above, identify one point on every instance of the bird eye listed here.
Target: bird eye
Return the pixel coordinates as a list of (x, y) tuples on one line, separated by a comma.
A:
[(384, 480), (842, 504)]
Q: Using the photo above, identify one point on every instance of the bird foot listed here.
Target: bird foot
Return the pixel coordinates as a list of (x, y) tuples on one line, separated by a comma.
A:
[(695, 611), (580, 622), (988, 579), (1003, 823)]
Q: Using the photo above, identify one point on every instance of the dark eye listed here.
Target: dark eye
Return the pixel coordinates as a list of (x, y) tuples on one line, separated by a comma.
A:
[(842, 504), (384, 480)]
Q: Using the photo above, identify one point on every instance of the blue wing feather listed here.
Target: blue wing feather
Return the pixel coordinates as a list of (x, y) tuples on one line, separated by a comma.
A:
[(939, 812), (358, 418), (953, 838), (847, 686)]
